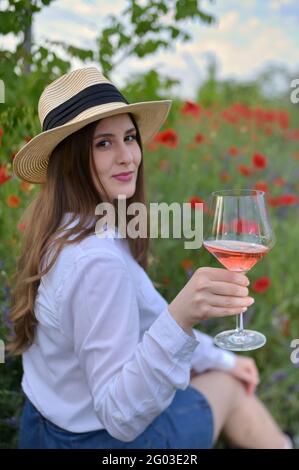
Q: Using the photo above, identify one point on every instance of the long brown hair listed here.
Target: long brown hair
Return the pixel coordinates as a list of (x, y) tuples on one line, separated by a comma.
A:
[(69, 187)]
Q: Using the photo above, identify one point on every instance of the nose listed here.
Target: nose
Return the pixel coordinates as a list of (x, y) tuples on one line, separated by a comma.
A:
[(125, 154)]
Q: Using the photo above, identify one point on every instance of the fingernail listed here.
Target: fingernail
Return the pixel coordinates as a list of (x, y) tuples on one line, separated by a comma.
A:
[(244, 309), (251, 300)]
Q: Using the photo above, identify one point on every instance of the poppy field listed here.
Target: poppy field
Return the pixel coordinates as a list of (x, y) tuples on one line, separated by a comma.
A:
[(199, 150)]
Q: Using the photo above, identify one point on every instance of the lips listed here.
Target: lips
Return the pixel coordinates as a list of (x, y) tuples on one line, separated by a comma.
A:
[(124, 176)]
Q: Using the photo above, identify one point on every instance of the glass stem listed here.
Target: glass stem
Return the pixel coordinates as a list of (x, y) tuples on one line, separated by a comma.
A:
[(239, 318), (239, 323)]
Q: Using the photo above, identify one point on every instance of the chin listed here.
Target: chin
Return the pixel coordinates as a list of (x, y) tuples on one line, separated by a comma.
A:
[(127, 193)]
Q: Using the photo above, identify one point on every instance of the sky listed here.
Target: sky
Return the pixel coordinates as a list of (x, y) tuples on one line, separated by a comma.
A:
[(248, 36)]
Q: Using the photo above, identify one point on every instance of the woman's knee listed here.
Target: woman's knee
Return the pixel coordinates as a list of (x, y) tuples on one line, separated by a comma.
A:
[(218, 383)]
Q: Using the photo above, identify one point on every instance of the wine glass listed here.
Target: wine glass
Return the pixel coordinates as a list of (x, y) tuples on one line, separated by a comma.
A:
[(238, 234)]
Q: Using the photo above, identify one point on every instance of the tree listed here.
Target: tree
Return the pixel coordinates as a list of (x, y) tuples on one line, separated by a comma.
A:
[(137, 31), (143, 30)]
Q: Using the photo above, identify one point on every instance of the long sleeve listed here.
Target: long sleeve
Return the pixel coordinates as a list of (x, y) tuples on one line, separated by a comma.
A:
[(131, 382), (208, 356)]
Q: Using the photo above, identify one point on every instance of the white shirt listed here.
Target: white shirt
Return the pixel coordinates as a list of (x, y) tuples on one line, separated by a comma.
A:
[(107, 352)]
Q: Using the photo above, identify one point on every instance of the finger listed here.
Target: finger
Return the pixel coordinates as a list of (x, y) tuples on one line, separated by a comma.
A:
[(221, 274), (247, 375), (250, 371), (253, 371), (253, 383), (256, 372), (224, 312), (251, 388), (229, 302), (227, 288), (250, 385)]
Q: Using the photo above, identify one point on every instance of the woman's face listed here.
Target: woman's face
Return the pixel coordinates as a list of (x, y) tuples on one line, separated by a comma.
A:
[(115, 150)]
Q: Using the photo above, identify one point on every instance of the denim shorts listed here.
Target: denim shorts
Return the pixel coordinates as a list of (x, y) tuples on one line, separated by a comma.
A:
[(187, 423)]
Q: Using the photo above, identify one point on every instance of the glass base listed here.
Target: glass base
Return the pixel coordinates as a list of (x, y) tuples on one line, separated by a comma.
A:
[(245, 340)]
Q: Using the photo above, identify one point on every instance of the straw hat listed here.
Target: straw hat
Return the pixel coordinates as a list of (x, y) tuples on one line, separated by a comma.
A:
[(70, 103)]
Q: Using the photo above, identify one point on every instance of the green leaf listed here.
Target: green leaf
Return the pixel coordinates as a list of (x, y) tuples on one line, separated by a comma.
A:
[(82, 54), (149, 46), (188, 8), (174, 32)]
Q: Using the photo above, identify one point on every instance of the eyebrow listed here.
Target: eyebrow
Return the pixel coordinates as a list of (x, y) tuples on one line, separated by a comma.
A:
[(113, 135)]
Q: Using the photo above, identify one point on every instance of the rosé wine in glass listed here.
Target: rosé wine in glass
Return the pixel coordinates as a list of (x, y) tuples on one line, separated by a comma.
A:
[(236, 255), (238, 234)]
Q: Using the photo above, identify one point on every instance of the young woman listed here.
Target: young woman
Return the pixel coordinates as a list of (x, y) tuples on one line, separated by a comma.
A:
[(106, 359)]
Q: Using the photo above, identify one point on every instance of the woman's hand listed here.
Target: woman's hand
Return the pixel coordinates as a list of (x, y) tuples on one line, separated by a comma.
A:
[(211, 292), (246, 371)]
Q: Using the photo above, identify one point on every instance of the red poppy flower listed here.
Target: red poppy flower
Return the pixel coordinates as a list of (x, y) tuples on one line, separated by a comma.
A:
[(190, 108), (186, 264), (289, 199), (261, 186), (261, 285), (230, 117), (3, 174), (279, 181), (259, 161), (242, 110), (244, 170), (199, 138), (168, 138), (25, 186), (197, 200), (283, 200), (233, 151), (283, 119), (13, 201)]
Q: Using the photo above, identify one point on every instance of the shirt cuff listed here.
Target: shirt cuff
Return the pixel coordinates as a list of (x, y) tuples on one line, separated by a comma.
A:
[(226, 361), (173, 338), (209, 356)]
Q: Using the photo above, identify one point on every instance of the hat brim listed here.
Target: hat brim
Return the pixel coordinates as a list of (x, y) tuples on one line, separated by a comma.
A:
[(30, 163)]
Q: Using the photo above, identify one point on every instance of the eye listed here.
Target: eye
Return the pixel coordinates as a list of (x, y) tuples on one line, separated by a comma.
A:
[(101, 143), (133, 136), (129, 138)]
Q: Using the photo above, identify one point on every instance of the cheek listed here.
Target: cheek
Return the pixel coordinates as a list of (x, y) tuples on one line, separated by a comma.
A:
[(138, 156), (102, 163)]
